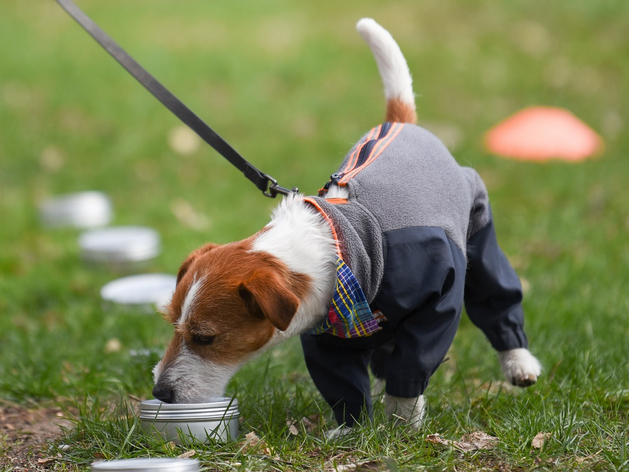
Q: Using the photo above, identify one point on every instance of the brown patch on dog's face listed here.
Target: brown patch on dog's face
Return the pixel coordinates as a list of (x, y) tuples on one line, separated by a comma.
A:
[(229, 301), (192, 257)]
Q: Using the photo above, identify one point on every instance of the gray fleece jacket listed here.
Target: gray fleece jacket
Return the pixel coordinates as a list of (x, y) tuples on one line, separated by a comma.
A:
[(417, 232), (401, 176)]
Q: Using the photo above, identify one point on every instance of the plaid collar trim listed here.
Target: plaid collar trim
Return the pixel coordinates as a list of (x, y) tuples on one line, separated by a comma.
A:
[(349, 315)]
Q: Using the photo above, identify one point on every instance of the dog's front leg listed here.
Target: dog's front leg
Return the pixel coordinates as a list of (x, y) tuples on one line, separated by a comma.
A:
[(409, 411)]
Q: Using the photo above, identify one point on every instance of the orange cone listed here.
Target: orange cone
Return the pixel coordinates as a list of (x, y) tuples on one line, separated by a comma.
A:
[(541, 133)]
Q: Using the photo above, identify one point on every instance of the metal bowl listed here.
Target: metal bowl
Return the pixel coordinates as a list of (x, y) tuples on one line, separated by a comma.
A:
[(215, 420), (147, 465)]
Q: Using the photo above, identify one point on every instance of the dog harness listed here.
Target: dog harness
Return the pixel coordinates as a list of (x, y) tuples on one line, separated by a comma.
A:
[(417, 237)]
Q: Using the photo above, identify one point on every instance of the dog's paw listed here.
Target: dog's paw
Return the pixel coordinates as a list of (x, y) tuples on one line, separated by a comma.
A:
[(405, 411), (520, 367)]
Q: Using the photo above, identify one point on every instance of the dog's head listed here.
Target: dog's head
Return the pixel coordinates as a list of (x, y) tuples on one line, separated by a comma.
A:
[(228, 304)]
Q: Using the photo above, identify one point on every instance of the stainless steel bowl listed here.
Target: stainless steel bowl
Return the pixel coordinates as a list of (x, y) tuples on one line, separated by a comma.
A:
[(217, 419), (147, 465)]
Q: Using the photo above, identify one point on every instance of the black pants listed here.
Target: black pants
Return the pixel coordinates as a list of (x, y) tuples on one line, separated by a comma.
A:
[(413, 343)]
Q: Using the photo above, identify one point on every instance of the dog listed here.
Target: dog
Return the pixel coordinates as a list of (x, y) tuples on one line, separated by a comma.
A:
[(371, 273)]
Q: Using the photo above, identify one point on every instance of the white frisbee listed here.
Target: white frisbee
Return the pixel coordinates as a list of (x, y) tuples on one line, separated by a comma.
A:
[(120, 245), (79, 210), (145, 291)]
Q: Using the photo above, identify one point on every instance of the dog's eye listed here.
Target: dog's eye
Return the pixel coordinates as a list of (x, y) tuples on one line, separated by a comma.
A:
[(202, 340)]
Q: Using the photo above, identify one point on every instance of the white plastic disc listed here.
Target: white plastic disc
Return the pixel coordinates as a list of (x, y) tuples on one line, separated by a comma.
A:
[(144, 290), (120, 244), (79, 210)]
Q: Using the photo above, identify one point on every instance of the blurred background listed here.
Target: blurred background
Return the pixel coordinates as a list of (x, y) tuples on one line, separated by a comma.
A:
[(291, 85)]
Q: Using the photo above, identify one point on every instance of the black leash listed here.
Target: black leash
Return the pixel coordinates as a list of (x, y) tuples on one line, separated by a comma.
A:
[(264, 182)]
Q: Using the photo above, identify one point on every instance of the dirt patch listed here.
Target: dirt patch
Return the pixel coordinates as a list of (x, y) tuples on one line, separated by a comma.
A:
[(25, 434)]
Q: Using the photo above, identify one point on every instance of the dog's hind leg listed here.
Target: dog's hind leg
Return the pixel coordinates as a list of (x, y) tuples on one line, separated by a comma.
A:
[(520, 367), (493, 301), (493, 294)]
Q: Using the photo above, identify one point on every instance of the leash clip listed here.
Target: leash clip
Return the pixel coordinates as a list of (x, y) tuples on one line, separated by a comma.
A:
[(273, 189)]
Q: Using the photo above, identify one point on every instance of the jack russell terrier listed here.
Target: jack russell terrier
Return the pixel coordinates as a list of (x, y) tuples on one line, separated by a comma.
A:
[(372, 273)]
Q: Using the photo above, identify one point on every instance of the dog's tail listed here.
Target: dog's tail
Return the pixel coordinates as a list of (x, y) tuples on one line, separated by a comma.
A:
[(398, 84)]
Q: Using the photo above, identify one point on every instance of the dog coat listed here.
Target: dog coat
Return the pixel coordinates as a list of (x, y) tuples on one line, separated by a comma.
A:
[(416, 232)]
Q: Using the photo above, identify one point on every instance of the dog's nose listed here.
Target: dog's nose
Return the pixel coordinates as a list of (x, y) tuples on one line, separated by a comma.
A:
[(163, 393)]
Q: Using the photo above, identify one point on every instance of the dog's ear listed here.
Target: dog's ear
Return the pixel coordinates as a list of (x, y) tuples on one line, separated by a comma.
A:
[(266, 295), (192, 257)]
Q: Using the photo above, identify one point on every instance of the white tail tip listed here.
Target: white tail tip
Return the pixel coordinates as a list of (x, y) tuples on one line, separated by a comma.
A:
[(398, 84)]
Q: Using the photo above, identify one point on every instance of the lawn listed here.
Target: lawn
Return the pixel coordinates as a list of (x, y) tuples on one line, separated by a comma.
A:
[(291, 86)]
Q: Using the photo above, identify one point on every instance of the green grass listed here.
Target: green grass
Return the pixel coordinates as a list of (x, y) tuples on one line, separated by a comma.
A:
[(293, 106)]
